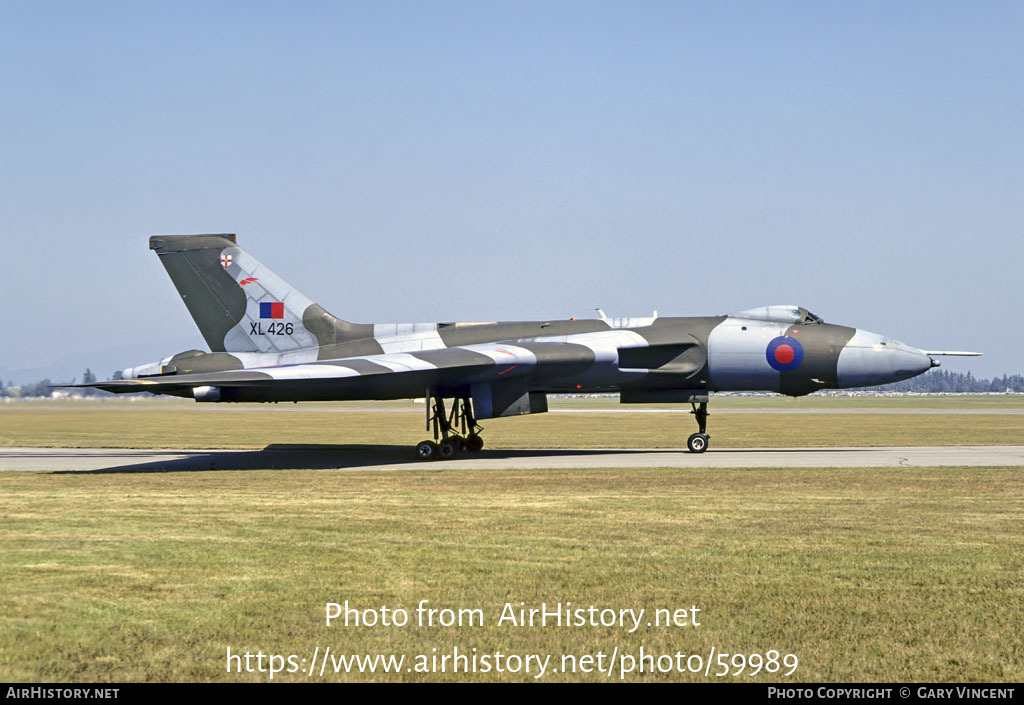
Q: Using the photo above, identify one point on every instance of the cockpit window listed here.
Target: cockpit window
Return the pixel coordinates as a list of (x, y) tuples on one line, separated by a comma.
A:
[(810, 317), (782, 314)]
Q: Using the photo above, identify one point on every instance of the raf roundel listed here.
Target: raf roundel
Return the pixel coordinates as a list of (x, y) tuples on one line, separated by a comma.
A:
[(784, 354)]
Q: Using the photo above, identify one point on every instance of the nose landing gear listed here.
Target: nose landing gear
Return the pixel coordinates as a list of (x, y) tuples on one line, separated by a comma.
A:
[(454, 432), (698, 442)]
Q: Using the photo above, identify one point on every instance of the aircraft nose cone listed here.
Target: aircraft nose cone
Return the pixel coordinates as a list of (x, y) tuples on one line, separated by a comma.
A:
[(871, 359)]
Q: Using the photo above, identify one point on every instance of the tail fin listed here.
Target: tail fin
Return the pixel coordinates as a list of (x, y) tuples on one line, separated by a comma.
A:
[(239, 304)]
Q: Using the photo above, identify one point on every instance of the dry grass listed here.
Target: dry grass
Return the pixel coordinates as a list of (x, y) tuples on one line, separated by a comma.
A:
[(153, 424), (866, 574)]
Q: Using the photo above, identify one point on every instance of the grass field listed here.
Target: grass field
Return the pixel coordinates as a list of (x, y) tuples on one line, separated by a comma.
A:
[(897, 574), (866, 575), (185, 424), (815, 401)]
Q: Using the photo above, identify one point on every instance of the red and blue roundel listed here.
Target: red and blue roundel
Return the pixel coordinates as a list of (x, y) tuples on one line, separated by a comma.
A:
[(784, 354)]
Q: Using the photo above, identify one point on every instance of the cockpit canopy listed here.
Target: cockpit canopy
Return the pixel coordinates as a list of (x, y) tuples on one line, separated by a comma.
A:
[(781, 314)]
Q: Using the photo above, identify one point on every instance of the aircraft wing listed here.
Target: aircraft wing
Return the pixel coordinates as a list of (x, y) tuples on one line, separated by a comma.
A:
[(455, 371)]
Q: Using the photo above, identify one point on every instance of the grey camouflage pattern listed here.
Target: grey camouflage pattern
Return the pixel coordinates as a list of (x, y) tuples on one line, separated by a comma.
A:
[(505, 367)]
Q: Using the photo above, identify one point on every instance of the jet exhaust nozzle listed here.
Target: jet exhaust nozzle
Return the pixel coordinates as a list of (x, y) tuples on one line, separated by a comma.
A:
[(206, 393)]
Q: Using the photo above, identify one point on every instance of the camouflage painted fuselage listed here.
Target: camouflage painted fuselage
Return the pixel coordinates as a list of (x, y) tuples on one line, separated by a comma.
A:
[(268, 342)]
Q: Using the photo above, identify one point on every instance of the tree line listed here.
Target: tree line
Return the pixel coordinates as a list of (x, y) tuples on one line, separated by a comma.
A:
[(45, 388), (933, 381)]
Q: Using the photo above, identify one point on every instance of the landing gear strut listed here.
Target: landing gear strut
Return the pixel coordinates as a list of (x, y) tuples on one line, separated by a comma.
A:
[(454, 432), (698, 442)]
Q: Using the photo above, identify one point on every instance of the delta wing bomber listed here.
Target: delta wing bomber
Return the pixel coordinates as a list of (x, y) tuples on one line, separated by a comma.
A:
[(269, 343)]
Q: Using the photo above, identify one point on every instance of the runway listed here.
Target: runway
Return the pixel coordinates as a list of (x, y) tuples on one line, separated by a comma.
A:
[(375, 457)]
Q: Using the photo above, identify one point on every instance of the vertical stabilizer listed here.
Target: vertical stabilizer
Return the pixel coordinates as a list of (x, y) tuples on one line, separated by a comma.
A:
[(239, 304)]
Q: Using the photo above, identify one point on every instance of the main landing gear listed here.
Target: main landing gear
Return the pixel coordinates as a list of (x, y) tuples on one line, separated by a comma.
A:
[(698, 442), (454, 432)]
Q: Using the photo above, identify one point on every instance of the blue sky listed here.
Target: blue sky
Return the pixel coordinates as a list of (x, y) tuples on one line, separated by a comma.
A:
[(481, 161)]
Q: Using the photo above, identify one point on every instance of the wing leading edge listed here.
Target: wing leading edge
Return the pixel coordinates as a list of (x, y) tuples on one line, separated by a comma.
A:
[(494, 373)]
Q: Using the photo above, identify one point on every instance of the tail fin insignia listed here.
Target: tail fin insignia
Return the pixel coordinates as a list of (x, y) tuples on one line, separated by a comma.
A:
[(237, 302)]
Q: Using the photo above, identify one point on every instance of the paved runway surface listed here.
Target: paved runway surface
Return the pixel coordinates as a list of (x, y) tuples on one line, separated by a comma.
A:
[(367, 457)]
